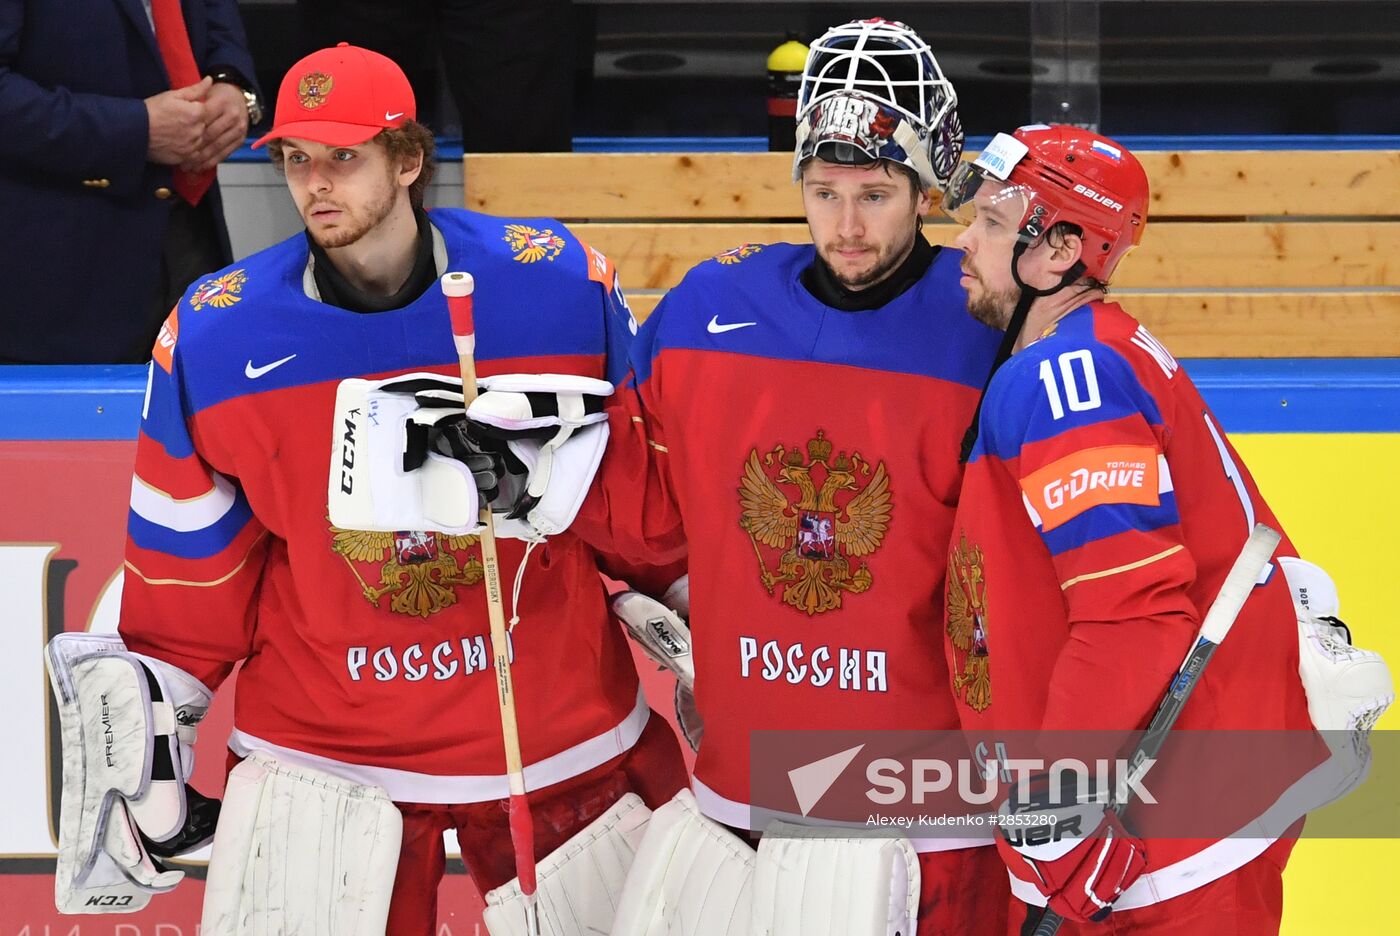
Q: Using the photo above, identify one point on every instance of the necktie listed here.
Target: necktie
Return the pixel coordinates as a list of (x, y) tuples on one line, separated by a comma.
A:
[(173, 39)]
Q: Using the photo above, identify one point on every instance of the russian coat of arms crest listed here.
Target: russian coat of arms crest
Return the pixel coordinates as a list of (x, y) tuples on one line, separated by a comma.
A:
[(967, 626), (531, 245), (839, 511), (418, 571)]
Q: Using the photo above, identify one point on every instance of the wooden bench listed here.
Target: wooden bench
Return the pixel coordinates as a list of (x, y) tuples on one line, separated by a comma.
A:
[(1247, 253)]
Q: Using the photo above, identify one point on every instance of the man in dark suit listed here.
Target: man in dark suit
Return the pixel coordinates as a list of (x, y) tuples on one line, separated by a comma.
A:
[(114, 115)]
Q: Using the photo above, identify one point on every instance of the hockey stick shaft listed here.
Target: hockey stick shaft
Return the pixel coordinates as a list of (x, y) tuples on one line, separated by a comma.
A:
[(458, 288), (1226, 607)]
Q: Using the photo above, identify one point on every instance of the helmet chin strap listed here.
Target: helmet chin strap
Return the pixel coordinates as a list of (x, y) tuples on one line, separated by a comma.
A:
[(1013, 331)]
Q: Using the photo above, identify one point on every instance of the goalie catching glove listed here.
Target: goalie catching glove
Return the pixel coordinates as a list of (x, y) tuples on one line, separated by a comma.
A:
[(128, 728), (555, 425), (1073, 848), (1348, 688), (407, 457)]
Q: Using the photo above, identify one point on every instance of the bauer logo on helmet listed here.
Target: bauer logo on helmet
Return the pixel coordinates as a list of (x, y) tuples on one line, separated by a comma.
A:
[(1098, 197)]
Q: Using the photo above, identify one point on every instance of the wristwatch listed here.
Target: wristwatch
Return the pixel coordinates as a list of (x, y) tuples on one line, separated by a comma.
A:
[(250, 97)]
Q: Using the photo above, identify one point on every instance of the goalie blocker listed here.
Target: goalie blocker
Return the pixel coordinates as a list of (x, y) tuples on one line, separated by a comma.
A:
[(663, 631), (408, 457)]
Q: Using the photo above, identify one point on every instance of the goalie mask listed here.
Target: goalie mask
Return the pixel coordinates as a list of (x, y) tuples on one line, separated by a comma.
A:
[(872, 90)]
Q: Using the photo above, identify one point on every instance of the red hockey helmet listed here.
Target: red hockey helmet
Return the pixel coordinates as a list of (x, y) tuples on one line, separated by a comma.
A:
[(1060, 173)]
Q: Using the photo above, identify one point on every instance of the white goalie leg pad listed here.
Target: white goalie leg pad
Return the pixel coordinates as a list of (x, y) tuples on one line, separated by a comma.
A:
[(580, 882), (817, 882), (1348, 688), (662, 632), (368, 488), (300, 852), (119, 713), (691, 877)]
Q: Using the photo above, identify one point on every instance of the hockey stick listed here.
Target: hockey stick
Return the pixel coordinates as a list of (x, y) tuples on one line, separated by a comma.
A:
[(1238, 586), (458, 288)]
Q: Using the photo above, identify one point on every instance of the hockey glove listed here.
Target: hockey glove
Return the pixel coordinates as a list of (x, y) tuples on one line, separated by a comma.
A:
[(1075, 850), (663, 631), (1348, 688), (128, 726), (554, 424), (393, 464), (440, 425)]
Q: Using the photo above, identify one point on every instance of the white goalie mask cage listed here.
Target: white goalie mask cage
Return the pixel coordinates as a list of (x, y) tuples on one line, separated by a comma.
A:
[(871, 89)]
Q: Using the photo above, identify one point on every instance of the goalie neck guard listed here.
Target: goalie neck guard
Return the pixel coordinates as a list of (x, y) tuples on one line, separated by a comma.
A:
[(872, 90)]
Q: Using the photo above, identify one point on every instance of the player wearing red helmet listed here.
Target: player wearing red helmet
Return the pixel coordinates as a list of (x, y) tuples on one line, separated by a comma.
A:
[(1101, 509), (1038, 179)]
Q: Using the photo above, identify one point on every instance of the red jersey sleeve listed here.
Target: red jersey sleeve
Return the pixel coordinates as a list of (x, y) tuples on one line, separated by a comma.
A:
[(1085, 442), (194, 550), (632, 512)]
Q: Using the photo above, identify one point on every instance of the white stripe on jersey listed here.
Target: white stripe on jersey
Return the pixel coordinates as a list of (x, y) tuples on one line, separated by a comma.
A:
[(407, 786), (187, 515)]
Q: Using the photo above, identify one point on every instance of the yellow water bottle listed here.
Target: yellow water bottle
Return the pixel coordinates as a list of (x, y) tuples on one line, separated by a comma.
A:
[(785, 65)]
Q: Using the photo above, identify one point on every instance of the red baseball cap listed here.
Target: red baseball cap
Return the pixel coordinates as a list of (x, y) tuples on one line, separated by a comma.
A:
[(341, 97)]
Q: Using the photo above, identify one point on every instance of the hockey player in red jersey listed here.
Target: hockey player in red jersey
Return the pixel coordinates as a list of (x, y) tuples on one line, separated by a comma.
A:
[(366, 718), (1101, 510), (792, 419)]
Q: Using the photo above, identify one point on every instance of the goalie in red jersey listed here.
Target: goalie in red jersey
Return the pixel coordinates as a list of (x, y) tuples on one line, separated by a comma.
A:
[(287, 516)]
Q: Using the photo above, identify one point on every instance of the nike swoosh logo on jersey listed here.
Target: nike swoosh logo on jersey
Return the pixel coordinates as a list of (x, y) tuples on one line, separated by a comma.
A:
[(389, 116), (715, 328), (255, 372)]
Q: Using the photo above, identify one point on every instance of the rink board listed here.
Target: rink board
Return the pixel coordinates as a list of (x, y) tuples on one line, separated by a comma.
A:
[(1321, 437)]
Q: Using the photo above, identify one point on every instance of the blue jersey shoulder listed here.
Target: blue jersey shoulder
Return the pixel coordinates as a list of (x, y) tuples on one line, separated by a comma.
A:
[(755, 304), (751, 273), (233, 298), (749, 283), (1064, 381), (743, 286), (532, 248), (537, 267), (766, 268)]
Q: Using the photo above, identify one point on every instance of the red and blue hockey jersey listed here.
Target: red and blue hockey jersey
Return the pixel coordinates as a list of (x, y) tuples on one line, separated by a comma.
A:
[(807, 457), (1102, 508), (368, 654)]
